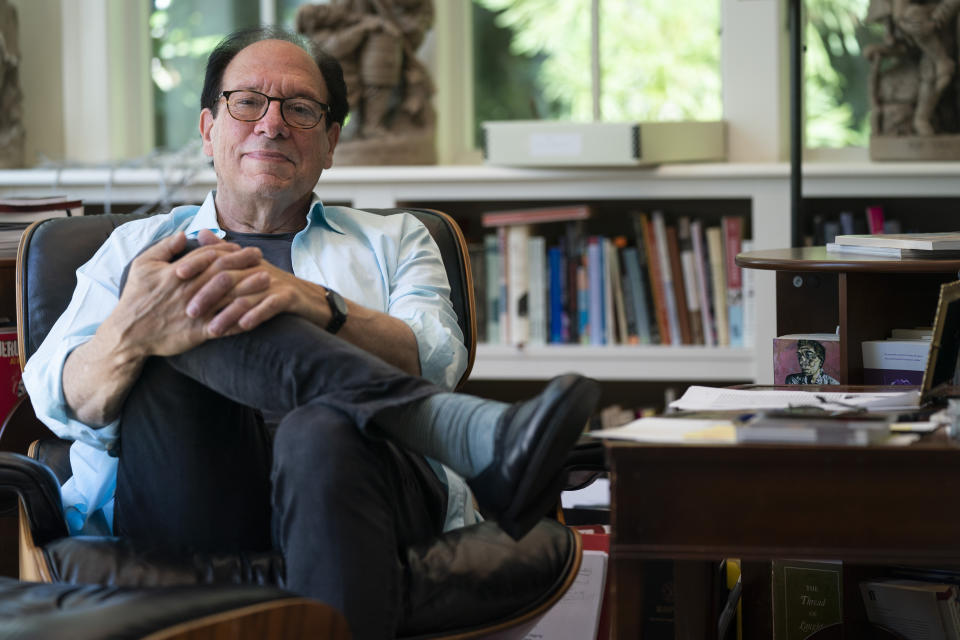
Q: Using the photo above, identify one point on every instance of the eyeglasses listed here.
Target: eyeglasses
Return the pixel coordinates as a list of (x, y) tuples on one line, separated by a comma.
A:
[(250, 106)]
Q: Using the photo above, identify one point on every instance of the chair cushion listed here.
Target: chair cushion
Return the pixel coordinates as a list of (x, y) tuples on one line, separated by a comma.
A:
[(122, 562), (470, 577), (88, 612)]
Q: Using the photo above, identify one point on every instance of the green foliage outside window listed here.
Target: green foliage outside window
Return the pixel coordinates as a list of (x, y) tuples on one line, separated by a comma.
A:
[(660, 60), (182, 35), (836, 98)]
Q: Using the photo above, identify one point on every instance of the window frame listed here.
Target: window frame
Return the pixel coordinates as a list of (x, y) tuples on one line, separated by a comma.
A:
[(753, 73)]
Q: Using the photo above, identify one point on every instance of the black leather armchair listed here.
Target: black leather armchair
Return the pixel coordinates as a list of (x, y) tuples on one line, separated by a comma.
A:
[(468, 581)]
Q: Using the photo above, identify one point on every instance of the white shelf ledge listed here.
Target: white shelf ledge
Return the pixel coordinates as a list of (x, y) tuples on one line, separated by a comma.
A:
[(694, 363)]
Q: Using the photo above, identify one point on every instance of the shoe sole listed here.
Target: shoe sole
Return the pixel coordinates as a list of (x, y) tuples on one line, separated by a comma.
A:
[(540, 485)]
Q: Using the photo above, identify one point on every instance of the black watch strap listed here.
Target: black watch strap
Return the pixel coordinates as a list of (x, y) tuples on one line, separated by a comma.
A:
[(338, 311)]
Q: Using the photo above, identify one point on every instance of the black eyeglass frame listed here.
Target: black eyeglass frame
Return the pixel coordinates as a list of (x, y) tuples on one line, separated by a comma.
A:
[(324, 107)]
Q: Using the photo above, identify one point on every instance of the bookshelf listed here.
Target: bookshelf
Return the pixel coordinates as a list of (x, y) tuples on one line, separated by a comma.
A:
[(759, 191)]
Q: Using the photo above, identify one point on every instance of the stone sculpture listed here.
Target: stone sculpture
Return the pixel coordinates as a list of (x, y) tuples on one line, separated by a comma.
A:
[(914, 92), (392, 120), (12, 134)]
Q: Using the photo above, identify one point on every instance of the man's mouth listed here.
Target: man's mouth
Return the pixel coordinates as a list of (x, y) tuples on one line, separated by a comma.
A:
[(266, 155)]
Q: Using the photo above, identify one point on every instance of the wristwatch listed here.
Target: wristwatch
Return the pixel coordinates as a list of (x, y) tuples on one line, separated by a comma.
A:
[(338, 310)]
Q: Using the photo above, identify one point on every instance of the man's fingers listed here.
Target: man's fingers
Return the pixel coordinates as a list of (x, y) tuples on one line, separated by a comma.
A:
[(164, 250), (225, 322), (201, 259), (211, 295)]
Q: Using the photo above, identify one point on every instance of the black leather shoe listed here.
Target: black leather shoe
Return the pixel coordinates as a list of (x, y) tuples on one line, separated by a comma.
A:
[(531, 445)]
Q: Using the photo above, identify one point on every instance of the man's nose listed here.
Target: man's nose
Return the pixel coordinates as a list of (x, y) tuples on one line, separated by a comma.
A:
[(272, 124)]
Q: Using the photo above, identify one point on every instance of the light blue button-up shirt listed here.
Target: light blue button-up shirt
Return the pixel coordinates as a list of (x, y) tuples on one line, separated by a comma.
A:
[(387, 263)]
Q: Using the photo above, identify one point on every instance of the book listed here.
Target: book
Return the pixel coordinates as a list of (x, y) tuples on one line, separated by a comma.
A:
[(913, 608), (638, 294), (17, 213), (477, 253), (701, 263), (893, 252), (30, 209), (690, 279), (10, 376), (658, 303), (537, 289), (895, 361), (732, 238), (875, 219), (807, 597), (913, 334), (643, 266), (536, 215), (749, 299), (666, 277), (610, 281), (679, 291), (518, 284), (617, 300), (790, 426), (806, 358), (491, 265), (718, 281), (938, 241), (546, 143), (559, 327), (578, 613), (596, 308)]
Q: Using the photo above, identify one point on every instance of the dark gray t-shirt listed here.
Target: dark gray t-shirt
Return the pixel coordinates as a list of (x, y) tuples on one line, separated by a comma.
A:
[(275, 246)]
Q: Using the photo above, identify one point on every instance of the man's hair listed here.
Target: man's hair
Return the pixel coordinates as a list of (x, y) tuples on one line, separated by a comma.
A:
[(237, 41), (816, 346)]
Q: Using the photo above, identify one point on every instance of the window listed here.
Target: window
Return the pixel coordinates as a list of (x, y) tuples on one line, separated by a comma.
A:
[(183, 33), (658, 60), (836, 97)]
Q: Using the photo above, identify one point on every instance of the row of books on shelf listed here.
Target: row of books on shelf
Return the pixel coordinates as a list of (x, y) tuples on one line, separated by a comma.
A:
[(872, 220), (541, 278), (814, 358)]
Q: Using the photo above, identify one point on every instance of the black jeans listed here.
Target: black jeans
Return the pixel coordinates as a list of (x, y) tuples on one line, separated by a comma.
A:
[(198, 467)]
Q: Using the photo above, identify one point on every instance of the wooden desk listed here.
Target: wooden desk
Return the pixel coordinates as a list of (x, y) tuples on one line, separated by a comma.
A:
[(865, 296), (697, 504)]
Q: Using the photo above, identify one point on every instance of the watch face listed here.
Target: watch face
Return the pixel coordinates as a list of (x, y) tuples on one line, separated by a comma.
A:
[(338, 310), (337, 303)]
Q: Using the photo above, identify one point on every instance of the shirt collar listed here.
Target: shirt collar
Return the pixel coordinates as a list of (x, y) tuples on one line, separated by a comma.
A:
[(206, 217)]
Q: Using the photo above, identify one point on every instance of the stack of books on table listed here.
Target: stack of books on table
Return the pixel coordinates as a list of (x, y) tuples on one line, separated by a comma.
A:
[(945, 245), (17, 213)]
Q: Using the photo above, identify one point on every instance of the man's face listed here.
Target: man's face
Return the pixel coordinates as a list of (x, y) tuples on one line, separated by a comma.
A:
[(810, 362), (269, 157)]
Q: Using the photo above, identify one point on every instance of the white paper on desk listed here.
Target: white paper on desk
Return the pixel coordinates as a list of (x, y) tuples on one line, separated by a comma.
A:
[(698, 398), (577, 615), (672, 430)]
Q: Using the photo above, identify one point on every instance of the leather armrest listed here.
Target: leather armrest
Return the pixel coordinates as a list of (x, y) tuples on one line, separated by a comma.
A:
[(39, 491)]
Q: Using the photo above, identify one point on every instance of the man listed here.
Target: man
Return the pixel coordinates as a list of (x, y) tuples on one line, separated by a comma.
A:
[(231, 398), (811, 356)]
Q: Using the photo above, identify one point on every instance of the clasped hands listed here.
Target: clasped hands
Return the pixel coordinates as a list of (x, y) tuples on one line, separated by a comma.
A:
[(170, 305)]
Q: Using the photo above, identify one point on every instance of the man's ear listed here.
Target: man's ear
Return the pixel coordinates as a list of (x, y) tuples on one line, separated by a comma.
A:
[(206, 127), (333, 137)]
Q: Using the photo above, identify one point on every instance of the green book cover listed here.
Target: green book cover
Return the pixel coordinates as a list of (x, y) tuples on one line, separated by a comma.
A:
[(807, 596)]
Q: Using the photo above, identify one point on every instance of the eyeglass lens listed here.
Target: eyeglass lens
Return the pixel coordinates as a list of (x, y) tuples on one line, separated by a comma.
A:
[(297, 112)]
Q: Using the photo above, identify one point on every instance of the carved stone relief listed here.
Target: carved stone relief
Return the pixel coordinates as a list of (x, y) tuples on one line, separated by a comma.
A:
[(392, 120)]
